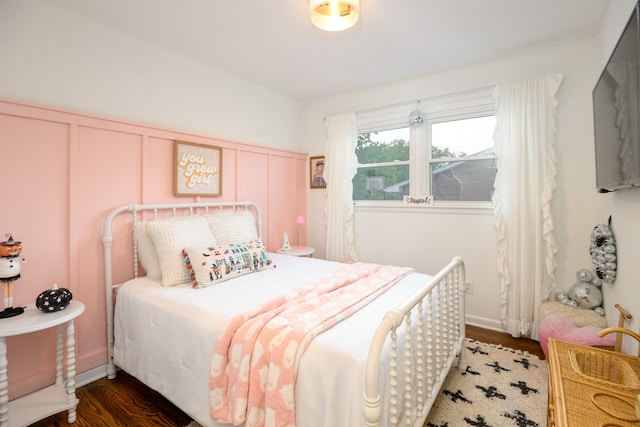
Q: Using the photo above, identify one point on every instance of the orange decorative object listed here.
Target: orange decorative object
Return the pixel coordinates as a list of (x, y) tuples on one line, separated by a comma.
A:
[(10, 248)]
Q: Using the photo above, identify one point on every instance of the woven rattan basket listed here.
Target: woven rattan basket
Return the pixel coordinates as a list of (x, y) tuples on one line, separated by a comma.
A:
[(604, 368)]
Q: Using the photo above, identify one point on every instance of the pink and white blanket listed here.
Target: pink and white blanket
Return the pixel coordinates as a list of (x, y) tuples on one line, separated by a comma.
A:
[(255, 363)]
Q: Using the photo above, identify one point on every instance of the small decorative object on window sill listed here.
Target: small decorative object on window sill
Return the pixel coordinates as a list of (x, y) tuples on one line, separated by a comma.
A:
[(54, 299), (10, 261)]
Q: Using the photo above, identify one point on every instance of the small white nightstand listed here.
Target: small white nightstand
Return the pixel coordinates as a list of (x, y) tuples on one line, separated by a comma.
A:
[(298, 251), (50, 400)]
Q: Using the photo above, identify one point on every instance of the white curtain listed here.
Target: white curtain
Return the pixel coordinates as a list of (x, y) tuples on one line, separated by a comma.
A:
[(524, 142), (341, 164)]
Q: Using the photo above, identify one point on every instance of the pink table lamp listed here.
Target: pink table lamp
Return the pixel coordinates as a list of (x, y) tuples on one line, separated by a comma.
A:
[(300, 221)]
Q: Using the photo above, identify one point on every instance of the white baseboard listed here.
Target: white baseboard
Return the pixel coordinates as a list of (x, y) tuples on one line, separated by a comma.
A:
[(91, 375), (485, 323), (493, 325)]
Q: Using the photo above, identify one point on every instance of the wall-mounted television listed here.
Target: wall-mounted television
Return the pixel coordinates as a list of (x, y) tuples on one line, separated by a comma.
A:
[(616, 99)]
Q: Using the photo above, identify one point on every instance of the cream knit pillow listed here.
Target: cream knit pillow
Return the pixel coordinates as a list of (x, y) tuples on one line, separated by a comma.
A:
[(170, 237), (233, 227)]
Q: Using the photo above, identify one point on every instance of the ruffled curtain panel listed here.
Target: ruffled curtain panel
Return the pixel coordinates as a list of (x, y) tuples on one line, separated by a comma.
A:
[(340, 168), (526, 178)]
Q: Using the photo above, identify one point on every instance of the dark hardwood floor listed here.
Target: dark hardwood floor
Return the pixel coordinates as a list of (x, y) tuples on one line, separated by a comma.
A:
[(125, 401), (493, 337)]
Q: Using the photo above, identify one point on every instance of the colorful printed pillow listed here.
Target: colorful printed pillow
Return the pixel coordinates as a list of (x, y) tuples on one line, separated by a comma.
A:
[(209, 265)]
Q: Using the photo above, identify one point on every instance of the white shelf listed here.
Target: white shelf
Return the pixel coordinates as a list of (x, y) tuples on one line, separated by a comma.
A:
[(52, 399), (38, 405), (33, 320)]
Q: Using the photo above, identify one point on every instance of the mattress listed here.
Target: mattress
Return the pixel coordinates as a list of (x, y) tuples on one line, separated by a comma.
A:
[(165, 337)]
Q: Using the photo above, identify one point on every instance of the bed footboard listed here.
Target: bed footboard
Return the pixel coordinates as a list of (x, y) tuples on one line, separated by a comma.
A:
[(422, 351)]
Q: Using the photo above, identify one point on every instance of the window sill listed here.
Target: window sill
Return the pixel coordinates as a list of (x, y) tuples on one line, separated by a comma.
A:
[(443, 207)]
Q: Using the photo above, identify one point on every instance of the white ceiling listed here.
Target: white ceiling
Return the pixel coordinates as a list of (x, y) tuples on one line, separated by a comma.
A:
[(272, 42)]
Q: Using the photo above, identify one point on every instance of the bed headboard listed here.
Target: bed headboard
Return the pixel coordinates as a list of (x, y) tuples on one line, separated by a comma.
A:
[(148, 212)]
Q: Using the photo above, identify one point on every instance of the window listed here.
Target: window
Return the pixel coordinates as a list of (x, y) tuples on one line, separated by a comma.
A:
[(450, 156), (384, 165), (463, 162)]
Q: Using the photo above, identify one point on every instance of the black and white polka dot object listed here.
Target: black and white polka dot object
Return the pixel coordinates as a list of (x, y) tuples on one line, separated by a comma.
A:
[(603, 252), (54, 299)]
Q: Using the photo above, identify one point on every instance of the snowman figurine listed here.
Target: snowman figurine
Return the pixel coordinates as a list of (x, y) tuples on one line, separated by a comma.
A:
[(10, 251)]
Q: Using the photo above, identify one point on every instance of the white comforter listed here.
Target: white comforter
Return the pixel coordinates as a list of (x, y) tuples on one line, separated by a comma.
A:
[(165, 336)]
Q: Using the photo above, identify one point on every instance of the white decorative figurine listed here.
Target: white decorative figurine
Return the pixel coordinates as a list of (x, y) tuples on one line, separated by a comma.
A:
[(10, 251), (585, 293), (603, 252)]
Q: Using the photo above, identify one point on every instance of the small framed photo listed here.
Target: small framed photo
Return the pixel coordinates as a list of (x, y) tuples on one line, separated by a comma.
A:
[(197, 169), (316, 172)]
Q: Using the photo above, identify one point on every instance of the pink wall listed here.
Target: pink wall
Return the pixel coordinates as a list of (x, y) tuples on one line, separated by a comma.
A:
[(64, 172)]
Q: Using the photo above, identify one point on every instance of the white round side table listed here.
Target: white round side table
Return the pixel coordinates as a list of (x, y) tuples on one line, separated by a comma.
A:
[(298, 251), (50, 400)]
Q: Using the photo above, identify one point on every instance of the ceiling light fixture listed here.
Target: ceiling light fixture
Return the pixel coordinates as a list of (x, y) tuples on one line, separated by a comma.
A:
[(334, 15)]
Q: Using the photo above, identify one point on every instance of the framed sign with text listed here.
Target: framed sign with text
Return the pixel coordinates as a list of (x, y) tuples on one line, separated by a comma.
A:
[(197, 169)]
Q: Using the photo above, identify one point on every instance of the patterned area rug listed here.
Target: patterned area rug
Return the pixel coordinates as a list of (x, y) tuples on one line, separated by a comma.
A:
[(494, 387)]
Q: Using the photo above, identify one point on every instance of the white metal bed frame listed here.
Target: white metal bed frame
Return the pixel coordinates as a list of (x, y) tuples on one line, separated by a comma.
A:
[(439, 311), (430, 347)]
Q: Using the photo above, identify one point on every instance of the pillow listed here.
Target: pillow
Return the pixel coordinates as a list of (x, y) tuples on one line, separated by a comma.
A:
[(146, 251), (558, 327), (233, 227), (170, 237), (209, 265)]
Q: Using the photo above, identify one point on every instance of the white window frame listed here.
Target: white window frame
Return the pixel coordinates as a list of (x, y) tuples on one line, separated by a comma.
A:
[(460, 106)]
